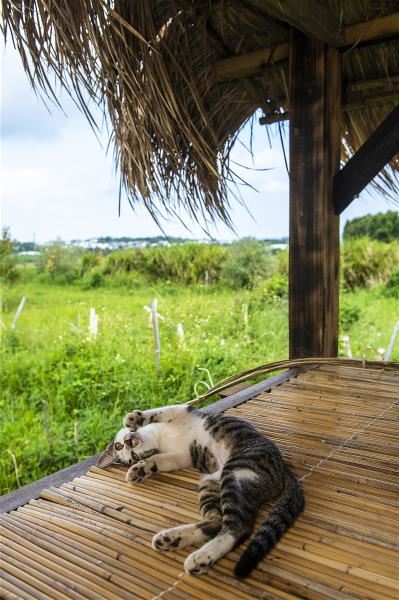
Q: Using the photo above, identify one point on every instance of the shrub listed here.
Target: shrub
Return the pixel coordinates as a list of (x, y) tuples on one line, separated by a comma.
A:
[(248, 263), (276, 286), (282, 262), (348, 314), (8, 269), (368, 262), (392, 286), (95, 279), (185, 263), (61, 264), (90, 260), (122, 261)]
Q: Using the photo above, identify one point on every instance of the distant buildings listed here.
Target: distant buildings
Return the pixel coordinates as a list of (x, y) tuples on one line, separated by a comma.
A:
[(109, 244)]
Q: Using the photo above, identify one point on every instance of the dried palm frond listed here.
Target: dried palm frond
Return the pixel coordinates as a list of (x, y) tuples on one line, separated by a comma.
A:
[(148, 65)]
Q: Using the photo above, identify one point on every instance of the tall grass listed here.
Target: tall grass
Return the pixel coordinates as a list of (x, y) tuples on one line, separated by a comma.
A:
[(63, 394)]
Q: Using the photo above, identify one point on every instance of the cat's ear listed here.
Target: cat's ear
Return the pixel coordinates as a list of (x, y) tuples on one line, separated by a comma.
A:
[(107, 457)]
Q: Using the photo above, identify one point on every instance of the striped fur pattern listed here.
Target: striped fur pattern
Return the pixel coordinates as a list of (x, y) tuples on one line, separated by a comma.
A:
[(241, 471)]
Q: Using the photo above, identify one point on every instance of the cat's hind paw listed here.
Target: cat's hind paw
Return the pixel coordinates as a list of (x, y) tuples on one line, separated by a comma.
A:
[(141, 471), (198, 563), (134, 420)]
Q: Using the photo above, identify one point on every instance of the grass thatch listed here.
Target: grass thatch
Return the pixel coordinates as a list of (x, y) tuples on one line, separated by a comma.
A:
[(148, 64)]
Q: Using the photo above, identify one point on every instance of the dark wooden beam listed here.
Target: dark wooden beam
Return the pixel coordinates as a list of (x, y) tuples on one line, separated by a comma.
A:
[(368, 31), (312, 18), (31, 491), (356, 103), (368, 161), (253, 63), (315, 109)]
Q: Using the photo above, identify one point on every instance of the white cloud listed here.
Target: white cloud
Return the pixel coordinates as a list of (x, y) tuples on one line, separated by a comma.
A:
[(58, 182)]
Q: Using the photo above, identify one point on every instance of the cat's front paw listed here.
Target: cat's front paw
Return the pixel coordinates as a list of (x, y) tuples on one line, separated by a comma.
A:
[(134, 420), (198, 563), (141, 471), (167, 539)]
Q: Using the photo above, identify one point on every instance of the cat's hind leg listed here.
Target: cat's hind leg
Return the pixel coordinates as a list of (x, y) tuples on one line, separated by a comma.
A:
[(238, 515), (140, 418), (196, 533), (186, 535)]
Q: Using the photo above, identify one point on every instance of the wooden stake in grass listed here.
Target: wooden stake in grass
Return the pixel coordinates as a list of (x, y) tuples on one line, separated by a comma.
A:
[(93, 323), (17, 314), (392, 342), (180, 334), (157, 340)]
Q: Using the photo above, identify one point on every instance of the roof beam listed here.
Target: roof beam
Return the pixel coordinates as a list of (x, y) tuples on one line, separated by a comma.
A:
[(357, 103), (368, 31), (312, 18), (367, 162), (253, 62)]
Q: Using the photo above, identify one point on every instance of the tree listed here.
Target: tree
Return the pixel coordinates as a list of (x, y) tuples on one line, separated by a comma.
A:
[(61, 264), (8, 260), (383, 227), (247, 264)]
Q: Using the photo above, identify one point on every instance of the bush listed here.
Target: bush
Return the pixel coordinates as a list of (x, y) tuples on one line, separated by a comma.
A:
[(276, 286), (248, 263), (8, 268), (282, 262), (392, 286), (90, 261), (348, 314), (61, 264), (368, 262), (185, 263), (95, 279)]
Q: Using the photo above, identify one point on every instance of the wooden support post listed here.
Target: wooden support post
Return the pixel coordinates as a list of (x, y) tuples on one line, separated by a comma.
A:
[(315, 93)]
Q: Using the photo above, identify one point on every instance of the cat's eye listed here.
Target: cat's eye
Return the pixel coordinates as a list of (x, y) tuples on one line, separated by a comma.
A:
[(118, 446)]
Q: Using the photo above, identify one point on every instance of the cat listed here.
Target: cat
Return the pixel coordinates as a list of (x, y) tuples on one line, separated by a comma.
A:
[(242, 470)]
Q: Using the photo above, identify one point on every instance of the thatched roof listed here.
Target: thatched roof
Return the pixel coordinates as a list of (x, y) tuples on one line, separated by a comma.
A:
[(150, 64)]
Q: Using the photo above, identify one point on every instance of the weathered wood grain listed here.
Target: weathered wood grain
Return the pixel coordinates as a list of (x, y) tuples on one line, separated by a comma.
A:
[(315, 106), (367, 162)]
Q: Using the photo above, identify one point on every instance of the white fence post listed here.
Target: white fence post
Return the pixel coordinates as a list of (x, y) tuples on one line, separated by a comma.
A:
[(346, 345), (157, 341), (19, 310), (392, 342), (180, 334), (206, 278), (93, 323)]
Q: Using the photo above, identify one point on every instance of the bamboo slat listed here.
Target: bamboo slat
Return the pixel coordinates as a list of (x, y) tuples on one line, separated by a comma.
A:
[(335, 425)]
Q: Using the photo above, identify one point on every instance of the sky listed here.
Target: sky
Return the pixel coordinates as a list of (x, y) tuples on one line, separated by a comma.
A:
[(59, 182)]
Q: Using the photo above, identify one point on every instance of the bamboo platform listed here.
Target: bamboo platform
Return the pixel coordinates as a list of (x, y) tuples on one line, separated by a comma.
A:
[(337, 427)]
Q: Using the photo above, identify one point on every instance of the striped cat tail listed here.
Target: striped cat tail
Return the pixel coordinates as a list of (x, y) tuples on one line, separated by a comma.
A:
[(289, 506)]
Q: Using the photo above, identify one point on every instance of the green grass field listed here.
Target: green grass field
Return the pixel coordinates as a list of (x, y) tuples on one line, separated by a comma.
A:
[(63, 394)]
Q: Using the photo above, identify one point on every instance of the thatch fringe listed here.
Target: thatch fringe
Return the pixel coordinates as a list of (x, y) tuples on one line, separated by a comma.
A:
[(148, 65)]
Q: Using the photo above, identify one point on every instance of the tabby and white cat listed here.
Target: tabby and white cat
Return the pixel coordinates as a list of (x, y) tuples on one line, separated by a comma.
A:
[(242, 468)]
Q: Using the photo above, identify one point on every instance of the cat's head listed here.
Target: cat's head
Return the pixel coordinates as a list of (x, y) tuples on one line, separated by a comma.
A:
[(122, 449)]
